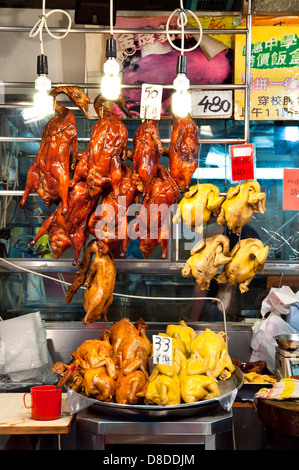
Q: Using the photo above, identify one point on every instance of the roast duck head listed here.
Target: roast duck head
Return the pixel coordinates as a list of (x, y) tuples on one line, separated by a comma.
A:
[(100, 108), (247, 258), (240, 204), (197, 205), (75, 94), (206, 258)]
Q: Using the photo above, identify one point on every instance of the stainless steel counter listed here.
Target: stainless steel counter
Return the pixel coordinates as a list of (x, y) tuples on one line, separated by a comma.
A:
[(94, 432)]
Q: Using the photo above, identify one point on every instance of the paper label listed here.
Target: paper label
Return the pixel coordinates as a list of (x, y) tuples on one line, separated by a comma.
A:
[(290, 199), (151, 98), (162, 350), (242, 162), (212, 104)]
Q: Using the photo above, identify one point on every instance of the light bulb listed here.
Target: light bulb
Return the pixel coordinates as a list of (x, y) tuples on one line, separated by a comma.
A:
[(111, 83), (181, 99), (43, 103)]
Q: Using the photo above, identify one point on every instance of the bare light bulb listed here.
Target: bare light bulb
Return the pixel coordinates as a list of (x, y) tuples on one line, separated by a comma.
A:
[(111, 83), (181, 99), (43, 104)]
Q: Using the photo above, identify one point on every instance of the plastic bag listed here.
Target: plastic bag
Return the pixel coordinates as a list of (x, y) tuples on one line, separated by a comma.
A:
[(26, 357), (263, 343)]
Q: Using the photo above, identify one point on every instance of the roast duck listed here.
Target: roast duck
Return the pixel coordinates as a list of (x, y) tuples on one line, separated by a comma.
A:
[(146, 153), (106, 223), (97, 271), (100, 163), (49, 173), (115, 367), (183, 151), (153, 228)]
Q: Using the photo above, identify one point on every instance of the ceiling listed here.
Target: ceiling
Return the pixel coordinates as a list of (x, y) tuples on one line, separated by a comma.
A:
[(158, 5)]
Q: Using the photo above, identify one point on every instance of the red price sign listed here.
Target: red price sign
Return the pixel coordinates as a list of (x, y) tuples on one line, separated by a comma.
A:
[(290, 199), (242, 162)]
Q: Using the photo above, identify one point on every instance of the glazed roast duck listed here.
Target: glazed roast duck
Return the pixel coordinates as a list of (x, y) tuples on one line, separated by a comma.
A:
[(100, 163), (49, 173)]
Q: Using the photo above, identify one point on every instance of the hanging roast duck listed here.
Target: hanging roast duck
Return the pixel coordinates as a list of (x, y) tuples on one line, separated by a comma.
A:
[(100, 163), (49, 173)]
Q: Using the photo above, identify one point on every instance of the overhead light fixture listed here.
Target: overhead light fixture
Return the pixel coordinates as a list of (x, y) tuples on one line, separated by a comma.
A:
[(181, 98), (43, 104), (111, 82)]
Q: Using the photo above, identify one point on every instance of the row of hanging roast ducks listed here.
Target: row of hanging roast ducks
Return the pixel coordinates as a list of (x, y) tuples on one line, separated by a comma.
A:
[(76, 183)]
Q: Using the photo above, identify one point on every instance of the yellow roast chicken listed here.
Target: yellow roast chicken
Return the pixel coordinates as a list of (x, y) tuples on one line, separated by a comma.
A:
[(240, 204), (248, 258), (213, 354), (183, 332), (163, 387), (178, 354), (196, 381), (197, 205), (207, 256)]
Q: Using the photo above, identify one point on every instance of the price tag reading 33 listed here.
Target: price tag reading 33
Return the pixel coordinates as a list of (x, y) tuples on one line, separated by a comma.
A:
[(162, 350), (151, 98)]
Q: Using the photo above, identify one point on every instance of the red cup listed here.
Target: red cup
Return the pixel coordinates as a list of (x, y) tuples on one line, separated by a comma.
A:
[(45, 402)]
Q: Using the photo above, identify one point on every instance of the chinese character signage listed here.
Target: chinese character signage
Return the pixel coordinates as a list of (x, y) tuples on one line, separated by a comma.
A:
[(274, 87), (290, 199), (242, 162)]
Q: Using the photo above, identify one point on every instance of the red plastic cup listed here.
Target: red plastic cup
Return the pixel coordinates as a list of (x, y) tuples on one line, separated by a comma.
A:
[(45, 402)]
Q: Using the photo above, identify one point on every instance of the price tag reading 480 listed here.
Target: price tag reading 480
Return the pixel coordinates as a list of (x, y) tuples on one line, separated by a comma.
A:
[(162, 350)]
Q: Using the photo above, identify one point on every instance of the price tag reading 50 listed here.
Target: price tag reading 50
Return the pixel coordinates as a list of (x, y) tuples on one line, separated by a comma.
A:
[(151, 98), (162, 350)]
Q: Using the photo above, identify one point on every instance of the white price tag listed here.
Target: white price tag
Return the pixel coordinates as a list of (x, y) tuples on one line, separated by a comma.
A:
[(212, 104), (162, 350), (151, 98)]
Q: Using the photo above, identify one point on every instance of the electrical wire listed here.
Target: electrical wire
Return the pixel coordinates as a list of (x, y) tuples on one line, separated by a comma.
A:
[(129, 296), (181, 22), (42, 23)]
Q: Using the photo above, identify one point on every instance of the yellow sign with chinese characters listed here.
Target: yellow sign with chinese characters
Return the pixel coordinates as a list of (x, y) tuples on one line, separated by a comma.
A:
[(274, 83)]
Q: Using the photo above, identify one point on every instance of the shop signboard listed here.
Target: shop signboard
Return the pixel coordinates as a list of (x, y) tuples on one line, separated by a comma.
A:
[(274, 64)]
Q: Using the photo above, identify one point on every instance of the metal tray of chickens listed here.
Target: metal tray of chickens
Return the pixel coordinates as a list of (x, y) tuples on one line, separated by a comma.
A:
[(184, 410)]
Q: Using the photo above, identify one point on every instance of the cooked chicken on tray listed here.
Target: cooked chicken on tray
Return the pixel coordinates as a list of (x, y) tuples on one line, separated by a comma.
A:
[(49, 173), (115, 367)]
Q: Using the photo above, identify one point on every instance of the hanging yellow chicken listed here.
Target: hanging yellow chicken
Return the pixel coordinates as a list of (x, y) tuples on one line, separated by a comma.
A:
[(197, 205), (240, 204), (207, 256), (248, 258)]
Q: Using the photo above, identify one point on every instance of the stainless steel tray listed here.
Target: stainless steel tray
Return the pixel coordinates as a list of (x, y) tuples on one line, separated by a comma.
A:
[(184, 410)]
